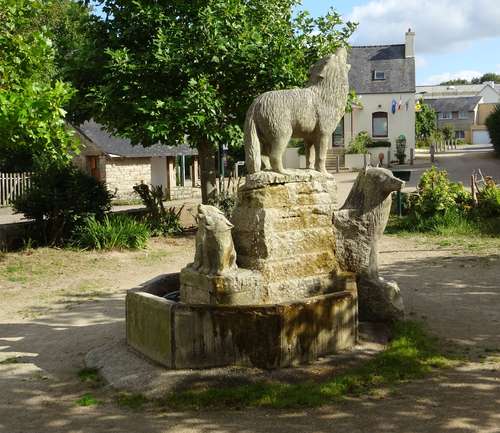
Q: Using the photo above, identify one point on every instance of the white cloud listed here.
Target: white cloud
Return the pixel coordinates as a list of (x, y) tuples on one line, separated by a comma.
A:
[(442, 25), (446, 76)]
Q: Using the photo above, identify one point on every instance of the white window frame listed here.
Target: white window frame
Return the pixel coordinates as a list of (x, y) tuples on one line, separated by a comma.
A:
[(458, 133), (463, 115), (445, 115), (380, 77)]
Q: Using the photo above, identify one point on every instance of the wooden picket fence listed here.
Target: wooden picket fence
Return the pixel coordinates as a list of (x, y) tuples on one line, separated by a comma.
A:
[(444, 145), (12, 185)]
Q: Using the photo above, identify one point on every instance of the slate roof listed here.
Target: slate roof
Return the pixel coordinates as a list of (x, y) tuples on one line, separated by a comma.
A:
[(113, 145), (399, 70), (464, 103)]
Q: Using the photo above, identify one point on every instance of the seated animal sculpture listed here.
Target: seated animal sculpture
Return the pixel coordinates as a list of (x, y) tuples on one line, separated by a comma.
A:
[(311, 114), (215, 253), (358, 227)]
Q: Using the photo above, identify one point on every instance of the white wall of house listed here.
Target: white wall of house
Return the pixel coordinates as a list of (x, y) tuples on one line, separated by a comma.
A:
[(123, 173), (292, 159), (159, 172), (402, 122)]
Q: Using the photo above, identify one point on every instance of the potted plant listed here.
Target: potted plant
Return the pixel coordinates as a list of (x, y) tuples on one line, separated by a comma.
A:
[(356, 154), (401, 149)]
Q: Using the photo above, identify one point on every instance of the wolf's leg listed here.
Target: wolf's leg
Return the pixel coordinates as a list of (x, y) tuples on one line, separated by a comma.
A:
[(266, 162), (309, 148), (277, 150), (321, 146)]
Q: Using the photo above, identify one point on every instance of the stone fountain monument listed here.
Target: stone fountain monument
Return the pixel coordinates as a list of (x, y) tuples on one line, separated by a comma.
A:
[(264, 289)]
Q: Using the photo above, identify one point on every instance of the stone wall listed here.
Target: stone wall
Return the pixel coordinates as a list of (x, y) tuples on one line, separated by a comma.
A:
[(123, 173)]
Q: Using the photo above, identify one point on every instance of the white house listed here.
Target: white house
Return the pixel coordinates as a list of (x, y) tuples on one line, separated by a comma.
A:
[(489, 91), (383, 77)]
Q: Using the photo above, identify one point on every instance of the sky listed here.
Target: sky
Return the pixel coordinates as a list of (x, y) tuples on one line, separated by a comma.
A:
[(454, 38)]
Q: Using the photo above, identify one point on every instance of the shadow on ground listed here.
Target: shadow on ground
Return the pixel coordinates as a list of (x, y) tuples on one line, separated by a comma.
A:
[(458, 297)]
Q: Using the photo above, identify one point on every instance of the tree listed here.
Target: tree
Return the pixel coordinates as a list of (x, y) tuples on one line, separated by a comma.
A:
[(425, 122), (454, 82), (31, 98), (493, 125), (181, 70), (490, 76)]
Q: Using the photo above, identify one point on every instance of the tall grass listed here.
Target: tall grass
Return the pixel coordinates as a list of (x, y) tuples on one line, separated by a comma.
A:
[(112, 232)]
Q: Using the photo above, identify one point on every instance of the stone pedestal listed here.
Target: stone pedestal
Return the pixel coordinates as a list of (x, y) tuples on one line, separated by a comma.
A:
[(283, 231)]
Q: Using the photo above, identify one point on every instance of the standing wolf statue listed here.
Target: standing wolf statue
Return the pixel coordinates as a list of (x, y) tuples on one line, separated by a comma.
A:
[(311, 114)]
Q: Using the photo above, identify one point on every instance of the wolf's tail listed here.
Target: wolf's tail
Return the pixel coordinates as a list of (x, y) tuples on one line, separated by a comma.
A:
[(252, 143)]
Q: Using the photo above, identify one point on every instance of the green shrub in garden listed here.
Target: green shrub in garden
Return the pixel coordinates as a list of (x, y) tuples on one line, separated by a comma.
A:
[(438, 195), (59, 199), (489, 200), (112, 232)]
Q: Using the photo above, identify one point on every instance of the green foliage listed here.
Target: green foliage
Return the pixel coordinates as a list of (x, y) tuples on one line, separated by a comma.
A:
[(489, 200), (359, 144), (425, 122), (160, 220), (59, 199), (401, 149), (446, 208), (411, 354), (112, 233), (131, 401), (493, 125), (194, 67), (226, 202), (87, 400), (378, 143), (31, 98), (488, 76), (448, 132), (437, 195)]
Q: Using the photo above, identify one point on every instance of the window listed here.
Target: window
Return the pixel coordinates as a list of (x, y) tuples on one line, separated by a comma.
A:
[(462, 115), (380, 124), (445, 115), (378, 75), (460, 134), (338, 135)]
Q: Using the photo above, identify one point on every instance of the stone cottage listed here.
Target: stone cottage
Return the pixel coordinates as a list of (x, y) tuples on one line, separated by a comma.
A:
[(121, 165)]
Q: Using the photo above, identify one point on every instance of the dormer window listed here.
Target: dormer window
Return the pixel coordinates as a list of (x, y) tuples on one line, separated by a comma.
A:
[(378, 75)]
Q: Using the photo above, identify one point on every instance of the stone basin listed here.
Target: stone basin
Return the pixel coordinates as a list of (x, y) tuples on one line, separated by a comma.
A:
[(179, 335)]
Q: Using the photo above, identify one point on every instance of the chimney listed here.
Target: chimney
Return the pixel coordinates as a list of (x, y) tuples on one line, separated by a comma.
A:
[(410, 44)]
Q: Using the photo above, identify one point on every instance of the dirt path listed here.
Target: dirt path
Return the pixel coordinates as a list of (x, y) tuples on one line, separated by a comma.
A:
[(457, 292)]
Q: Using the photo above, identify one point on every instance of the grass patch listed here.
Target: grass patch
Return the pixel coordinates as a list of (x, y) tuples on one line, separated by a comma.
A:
[(90, 376), (410, 355), (131, 401), (87, 400)]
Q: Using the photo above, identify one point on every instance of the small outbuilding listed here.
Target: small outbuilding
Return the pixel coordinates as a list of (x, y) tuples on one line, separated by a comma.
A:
[(121, 165)]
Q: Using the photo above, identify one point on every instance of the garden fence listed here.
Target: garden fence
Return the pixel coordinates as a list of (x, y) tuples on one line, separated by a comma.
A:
[(12, 185)]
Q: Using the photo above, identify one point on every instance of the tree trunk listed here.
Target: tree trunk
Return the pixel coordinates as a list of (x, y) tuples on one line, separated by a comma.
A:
[(208, 178)]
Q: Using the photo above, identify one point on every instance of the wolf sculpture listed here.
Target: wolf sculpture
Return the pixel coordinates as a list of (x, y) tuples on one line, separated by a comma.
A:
[(215, 252), (358, 227), (311, 114)]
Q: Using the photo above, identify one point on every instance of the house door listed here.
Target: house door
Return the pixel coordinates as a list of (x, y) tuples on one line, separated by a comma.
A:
[(93, 167)]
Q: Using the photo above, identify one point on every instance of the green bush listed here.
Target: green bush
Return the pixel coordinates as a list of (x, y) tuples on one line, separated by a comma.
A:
[(437, 195), (60, 198), (112, 232), (226, 202), (488, 200), (493, 125), (160, 220), (448, 132), (378, 143), (359, 143)]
